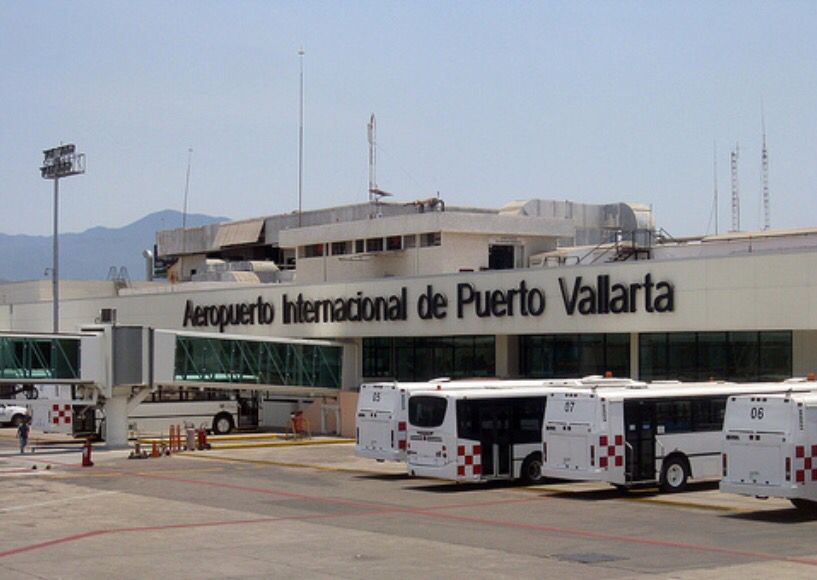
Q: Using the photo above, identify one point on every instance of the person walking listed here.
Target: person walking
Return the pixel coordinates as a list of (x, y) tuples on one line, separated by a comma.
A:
[(22, 434)]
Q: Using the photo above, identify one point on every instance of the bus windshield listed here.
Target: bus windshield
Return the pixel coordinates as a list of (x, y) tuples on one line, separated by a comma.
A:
[(427, 411)]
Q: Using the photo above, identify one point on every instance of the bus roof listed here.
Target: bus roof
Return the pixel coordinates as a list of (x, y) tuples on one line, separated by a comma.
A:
[(805, 397), (444, 383), (493, 392), (666, 390)]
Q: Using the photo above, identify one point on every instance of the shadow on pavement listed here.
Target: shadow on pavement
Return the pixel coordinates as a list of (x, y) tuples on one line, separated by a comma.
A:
[(779, 516)]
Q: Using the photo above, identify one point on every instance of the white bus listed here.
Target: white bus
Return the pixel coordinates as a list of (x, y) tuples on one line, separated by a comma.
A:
[(664, 433), (770, 447), (381, 419), (483, 434), (382, 411), (217, 410)]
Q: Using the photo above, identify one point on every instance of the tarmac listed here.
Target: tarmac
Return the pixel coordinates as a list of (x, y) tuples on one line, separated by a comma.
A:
[(319, 511)]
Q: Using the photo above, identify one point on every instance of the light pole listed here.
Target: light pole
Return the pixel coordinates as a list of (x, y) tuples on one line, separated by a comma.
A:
[(301, 141), (59, 162)]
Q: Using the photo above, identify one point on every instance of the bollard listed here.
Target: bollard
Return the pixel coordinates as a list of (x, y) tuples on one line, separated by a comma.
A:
[(154, 452), (203, 439), (191, 439), (86, 454)]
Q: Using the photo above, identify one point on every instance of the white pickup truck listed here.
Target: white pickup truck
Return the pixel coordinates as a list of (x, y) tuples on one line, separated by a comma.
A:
[(12, 414)]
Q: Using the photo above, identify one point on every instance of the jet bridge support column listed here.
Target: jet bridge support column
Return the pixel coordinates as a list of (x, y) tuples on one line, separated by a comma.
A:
[(117, 409), (116, 422)]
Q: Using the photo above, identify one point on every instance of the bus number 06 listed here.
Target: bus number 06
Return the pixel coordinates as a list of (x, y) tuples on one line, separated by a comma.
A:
[(569, 406), (756, 413)]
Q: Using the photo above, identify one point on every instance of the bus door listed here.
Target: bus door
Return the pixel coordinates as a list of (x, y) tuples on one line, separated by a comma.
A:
[(495, 438), (639, 428), (248, 411)]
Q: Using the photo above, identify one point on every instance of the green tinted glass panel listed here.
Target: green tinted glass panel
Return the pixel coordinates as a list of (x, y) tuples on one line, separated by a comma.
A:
[(213, 360), (732, 356), (40, 358), (424, 358), (574, 355)]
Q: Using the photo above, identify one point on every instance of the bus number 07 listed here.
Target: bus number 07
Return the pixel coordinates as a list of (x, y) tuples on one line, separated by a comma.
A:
[(756, 413), (569, 406)]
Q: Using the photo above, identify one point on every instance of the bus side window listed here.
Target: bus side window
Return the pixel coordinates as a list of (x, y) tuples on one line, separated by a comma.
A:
[(467, 420), (674, 416), (527, 420), (708, 413)]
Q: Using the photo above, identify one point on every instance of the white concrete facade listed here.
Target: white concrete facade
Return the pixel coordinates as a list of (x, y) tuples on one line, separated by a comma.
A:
[(775, 291)]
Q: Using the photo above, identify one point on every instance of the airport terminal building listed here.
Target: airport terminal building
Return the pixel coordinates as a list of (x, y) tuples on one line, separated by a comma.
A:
[(535, 289)]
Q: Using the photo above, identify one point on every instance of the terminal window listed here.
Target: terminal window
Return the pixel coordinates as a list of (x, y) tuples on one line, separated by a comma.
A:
[(340, 248), (431, 239), (313, 251), (549, 356), (729, 356), (374, 245), (423, 358)]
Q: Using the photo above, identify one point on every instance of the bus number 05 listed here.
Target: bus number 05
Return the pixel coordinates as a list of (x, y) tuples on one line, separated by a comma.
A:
[(569, 406), (756, 413)]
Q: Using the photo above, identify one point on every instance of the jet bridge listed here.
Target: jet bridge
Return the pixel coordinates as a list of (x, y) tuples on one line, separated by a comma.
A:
[(114, 368)]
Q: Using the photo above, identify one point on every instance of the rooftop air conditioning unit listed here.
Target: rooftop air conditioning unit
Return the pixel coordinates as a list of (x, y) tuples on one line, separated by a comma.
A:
[(107, 315)]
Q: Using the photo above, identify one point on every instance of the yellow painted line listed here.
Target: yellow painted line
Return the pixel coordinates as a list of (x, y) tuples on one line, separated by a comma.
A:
[(214, 438), (243, 436), (199, 455), (287, 443)]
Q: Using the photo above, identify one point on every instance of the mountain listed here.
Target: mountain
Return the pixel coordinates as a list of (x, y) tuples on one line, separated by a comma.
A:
[(89, 255)]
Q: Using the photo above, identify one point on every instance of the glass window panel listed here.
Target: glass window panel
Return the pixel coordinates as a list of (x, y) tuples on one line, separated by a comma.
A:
[(682, 356), (443, 357), (775, 356), (423, 360), (484, 356), (464, 362), (713, 352), (565, 356), (591, 355), (617, 354), (744, 356), (652, 356)]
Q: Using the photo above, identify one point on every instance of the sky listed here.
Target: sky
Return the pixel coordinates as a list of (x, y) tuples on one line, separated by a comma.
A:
[(483, 102)]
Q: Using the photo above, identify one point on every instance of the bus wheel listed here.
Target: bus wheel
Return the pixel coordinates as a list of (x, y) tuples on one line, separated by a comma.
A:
[(222, 424), (806, 506), (675, 474), (532, 469), (17, 420)]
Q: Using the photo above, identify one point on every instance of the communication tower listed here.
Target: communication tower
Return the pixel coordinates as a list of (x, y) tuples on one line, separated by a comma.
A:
[(764, 161), (735, 190)]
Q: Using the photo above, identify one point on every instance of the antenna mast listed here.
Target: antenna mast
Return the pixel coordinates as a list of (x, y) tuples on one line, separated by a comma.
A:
[(715, 180), (764, 161), (186, 192), (372, 135), (735, 190)]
